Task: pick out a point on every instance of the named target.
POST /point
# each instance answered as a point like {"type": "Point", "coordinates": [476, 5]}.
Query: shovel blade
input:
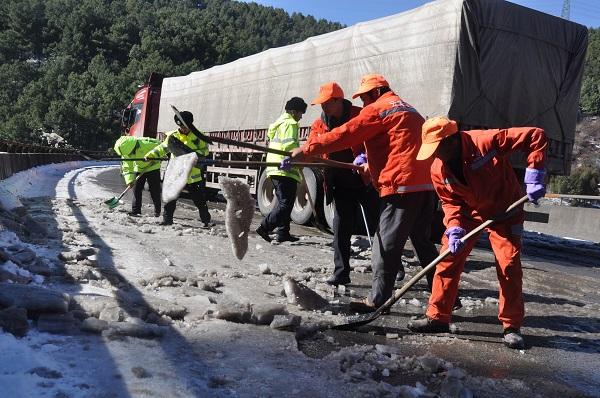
{"type": "Point", "coordinates": [112, 202]}
{"type": "Point", "coordinates": [354, 321]}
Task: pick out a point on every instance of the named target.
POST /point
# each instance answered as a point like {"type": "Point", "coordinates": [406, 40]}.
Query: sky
{"type": "Point", "coordinates": [349, 12]}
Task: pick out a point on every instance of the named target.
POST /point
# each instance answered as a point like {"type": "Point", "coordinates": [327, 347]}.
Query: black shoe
{"type": "Point", "coordinates": [513, 339]}
{"type": "Point", "coordinates": [263, 233]}
{"type": "Point", "coordinates": [134, 214]}
{"type": "Point", "coordinates": [334, 281]}
{"type": "Point", "coordinates": [166, 221]}
{"type": "Point", "coordinates": [157, 213]}
{"type": "Point", "coordinates": [400, 275]}
{"type": "Point", "coordinates": [457, 304]}
{"type": "Point", "coordinates": [428, 325]}
{"type": "Point", "coordinates": [207, 225]}
{"type": "Point", "coordinates": [286, 238]}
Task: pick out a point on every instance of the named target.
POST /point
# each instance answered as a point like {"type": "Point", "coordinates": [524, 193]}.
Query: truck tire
{"type": "Point", "coordinates": [302, 212]}
{"type": "Point", "coordinates": [328, 213]}
{"type": "Point", "coordinates": [265, 194]}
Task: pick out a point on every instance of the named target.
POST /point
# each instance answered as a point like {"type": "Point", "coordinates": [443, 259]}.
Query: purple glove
{"type": "Point", "coordinates": [360, 159]}
{"type": "Point", "coordinates": [286, 163]}
{"type": "Point", "coordinates": [454, 243]}
{"type": "Point", "coordinates": [535, 187]}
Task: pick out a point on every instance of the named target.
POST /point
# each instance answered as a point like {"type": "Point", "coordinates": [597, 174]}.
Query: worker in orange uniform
{"type": "Point", "coordinates": [391, 131]}
{"type": "Point", "coordinates": [473, 177]}
{"type": "Point", "coordinates": [345, 188]}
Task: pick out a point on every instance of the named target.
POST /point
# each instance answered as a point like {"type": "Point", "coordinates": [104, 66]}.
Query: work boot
{"type": "Point", "coordinates": [286, 238]}
{"type": "Point", "coordinates": [335, 281]}
{"type": "Point", "coordinates": [428, 325]}
{"type": "Point", "coordinates": [134, 214]}
{"type": "Point", "coordinates": [263, 233]}
{"type": "Point", "coordinates": [156, 213]}
{"type": "Point", "coordinates": [513, 339]}
{"type": "Point", "coordinates": [208, 224]}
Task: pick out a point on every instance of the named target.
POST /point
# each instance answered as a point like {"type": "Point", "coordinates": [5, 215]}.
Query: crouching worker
{"type": "Point", "coordinates": [187, 142]}
{"type": "Point", "coordinates": [137, 172]}
{"type": "Point", "coordinates": [472, 176]}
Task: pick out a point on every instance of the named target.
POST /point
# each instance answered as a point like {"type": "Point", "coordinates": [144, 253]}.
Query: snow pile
{"type": "Point", "coordinates": [238, 214]}
{"type": "Point", "coordinates": [176, 175]}
{"type": "Point", "coordinates": [385, 364]}
{"type": "Point", "coordinates": [62, 180]}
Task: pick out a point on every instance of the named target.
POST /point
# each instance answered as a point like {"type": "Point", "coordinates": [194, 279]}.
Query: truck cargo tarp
{"type": "Point", "coordinates": [485, 63]}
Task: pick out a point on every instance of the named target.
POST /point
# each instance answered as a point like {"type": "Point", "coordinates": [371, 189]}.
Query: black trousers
{"type": "Point", "coordinates": [198, 196]}
{"type": "Point", "coordinates": [346, 208]}
{"type": "Point", "coordinates": [153, 179]}
{"type": "Point", "coordinates": [402, 216]}
{"type": "Point", "coordinates": [279, 217]}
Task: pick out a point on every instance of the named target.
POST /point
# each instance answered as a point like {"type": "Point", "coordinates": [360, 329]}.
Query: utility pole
{"type": "Point", "coordinates": [566, 11]}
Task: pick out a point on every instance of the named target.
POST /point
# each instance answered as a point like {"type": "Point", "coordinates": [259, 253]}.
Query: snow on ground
{"type": "Point", "coordinates": [61, 180]}
{"type": "Point", "coordinates": [155, 295]}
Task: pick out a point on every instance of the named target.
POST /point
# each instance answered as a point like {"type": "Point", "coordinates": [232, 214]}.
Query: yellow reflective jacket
{"type": "Point", "coordinates": [191, 141]}
{"type": "Point", "coordinates": [283, 135]}
{"type": "Point", "coordinates": [129, 147]}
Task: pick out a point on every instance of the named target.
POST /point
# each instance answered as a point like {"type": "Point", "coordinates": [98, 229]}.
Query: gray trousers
{"type": "Point", "coordinates": [402, 216]}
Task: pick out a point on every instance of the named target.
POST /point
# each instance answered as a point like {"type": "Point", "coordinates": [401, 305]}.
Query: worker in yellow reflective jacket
{"type": "Point", "coordinates": [283, 135]}
{"type": "Point", "coordinates": [137, 172]}
{"type": "Point", "coordinates": [195, 184]}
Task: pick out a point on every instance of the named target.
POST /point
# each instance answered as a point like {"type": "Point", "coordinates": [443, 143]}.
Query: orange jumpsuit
{"type": "Point", "coordinates": [491, 187]}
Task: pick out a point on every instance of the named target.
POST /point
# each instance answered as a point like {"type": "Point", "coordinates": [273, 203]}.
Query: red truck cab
{"type": "Point", "coordinates": [140, 117]}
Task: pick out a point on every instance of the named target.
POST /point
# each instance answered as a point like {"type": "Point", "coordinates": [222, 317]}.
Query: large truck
{"type": "Point", "coordinates": [484, 63]}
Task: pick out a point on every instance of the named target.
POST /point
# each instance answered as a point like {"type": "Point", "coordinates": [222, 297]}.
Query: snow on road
{"type": "Point", "coordinates": [150, 312]}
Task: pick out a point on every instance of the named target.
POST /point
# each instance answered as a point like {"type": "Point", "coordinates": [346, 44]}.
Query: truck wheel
{"type": "Point", "coordinates": [265, 194]}
{"type": "Point", "coordinates": [302, 212]}
{"type": "Point", "coordinates": [328, 213]}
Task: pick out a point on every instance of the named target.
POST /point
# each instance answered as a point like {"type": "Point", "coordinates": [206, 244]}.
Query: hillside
{"type": "Point", "coordinates": [69, 66]}
{"type": "Point", "coordinates": [586, 151]}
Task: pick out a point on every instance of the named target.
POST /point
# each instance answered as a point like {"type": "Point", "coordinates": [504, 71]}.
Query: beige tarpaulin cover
{"type": "Point", "coordinates": [486, 63]}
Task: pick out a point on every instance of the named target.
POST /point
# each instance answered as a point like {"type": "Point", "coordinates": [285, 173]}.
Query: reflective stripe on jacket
{"type": "Point", "coordinates": [492, 185]}
{"type": "Point", "coordinates": [191, 141]}
{"type": "Point", "coordinates": [283, 135]}
{"type": "Point", "coordinates": [391, 131]}
{"type": "Point", "coordinates": [136, 147]}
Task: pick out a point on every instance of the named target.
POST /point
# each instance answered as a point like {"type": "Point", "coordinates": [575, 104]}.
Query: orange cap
{"type": "Point", "coordinates": [328, 91]}
{"type": "Point", "coordinates": [433, 131]}
{"type": "Point", "coordinates": [369, 82]}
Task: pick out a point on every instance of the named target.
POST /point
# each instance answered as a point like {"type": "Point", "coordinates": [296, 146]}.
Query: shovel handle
{"type": "Point", "coordinates": [400, 292]}
{"type": "Point", "coordinates": [129, 187]}
{"type": "Point", "coordinates": [261, 148]}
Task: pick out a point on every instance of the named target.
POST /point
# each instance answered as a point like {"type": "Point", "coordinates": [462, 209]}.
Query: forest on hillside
{"type": "Point", "coordinates": [70, 66]}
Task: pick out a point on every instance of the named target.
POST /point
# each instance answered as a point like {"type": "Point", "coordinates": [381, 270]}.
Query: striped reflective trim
{"type": "Point", "coordinates": [196, 176]}
{"type": "Point", "coordinates": [415, 188]}
{"type": "Point", "coordinates": [480, 161]}
{"type": "Point", "coordinates": [283, 141]}
{"type": "Point", "coordinates": [516, 229]}
{"type": "Point", "coordinates": [450, 181]}
{"type": "Point", "coordinates": [396, 109]}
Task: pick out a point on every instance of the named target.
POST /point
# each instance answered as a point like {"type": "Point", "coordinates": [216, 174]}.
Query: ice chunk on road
{"type": "Point", "coordinates": [176, 175]}
{"type": "Point", "coordinates": [238, 213]}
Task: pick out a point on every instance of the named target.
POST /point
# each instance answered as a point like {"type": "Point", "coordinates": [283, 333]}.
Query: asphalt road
{"type": "Point", "coordinates": [562, 327]}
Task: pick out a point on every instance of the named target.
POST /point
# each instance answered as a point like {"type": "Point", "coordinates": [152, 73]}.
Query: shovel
{"type": "Point", "coordinates": [114, 201]}
{"type": "Point", "coordinates": [362, 319]}
{"type": "Point", "coordinates": [227, 141]}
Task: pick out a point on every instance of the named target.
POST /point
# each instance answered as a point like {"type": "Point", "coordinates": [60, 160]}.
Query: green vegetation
{"type": "Point", "coordinates": [590, 89]}
{"type": "Point", "coordinates": [582, 181]}
{"type": "Point", "coordinates": [69, 66]}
